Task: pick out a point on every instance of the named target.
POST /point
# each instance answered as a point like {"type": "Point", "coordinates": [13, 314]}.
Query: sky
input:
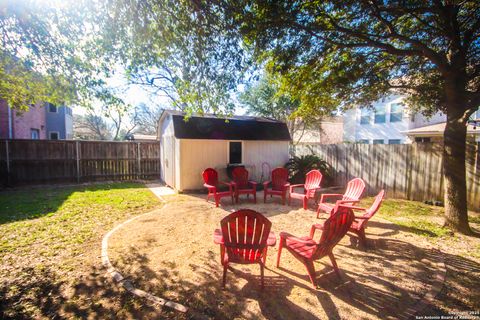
{"type": "Point", "coordinates": [134, 94]}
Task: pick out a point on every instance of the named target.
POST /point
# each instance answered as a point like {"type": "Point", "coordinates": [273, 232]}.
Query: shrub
{"type": "Point", "coordinates": [299, 166]}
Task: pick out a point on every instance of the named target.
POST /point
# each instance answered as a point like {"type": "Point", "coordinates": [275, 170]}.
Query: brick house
{"type": "Point", "coordinates": [27, 125]}
{"type": "Point", "coordinates": [39, 122]}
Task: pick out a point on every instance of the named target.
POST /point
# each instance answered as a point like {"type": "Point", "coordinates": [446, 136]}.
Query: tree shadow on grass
{"type": "Point", "coordinates": [35, 202]}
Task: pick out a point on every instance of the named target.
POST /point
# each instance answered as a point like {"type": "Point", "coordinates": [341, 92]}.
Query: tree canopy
{"type": "Point", "coordinates": [50, 53]}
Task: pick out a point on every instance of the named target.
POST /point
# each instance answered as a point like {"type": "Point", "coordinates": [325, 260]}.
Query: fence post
{"type": "Point", "coordinates": [138, 161]}
{"type": "Point", "coordinates": [7, 158]}
{"type": "Point", "coordinates": [77, 156]}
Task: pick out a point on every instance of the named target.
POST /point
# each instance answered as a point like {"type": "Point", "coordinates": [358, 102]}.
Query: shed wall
{"type": "Point", "coordinates": [275, 153]}
{"type": "Point", "coordinates": [169, 154]}
{"type": "Point", "coordinates": [197, 154]}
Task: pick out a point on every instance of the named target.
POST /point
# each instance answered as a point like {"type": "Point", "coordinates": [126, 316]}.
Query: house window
{"type": "Point", "coordinates": [423, 139]}
{"type": "Point", "coordinates": [380, 114]}
{"type": "Point", "coordinates": [235, 152]}
{"type": "Point", "coordinates": [365, 116]}
{"type": "Point", "coordinates": [396, 112]}
{"type": "Point", "coordinates": [53, 135]}
{"type": "Point", "coordinates": [52, 108]}
{"type": "Point", "coordinates": [363, 141]}
{"type": "Point", "coordinates": [394, 141]}
{"type": "Point", "coordinates": [34, 134]}
{"type": "Point", "coordinates": [377, 141]}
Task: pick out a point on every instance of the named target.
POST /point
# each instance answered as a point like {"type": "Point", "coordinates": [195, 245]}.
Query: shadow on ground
{"type": "Point", "coordinates": [94, 296]}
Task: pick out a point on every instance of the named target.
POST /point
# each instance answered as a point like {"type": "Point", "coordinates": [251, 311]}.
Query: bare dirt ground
{"type": "Point", "coordinates": [170, 253]}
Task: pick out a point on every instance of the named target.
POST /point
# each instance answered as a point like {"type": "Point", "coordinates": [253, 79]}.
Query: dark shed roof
{"type": "Point", "coordinates": [237, 128]}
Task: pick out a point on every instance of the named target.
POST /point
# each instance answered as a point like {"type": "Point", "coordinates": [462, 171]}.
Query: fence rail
{"type": "Point", "coordinates": [408, 171]}
{"type": "Point", "coordinates": [47, 161]}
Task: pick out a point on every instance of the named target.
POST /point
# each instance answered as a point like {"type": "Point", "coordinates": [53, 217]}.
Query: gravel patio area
{"type": "Point", "coordinates": [170, 253]}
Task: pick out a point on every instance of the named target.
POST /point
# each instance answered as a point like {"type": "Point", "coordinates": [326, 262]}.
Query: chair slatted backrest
{"type": "Point", "coordinates": [372, 210]}
{"type": "Point", "coordinates": [279, 178]}
{"type": "Point", "coordinates": [245, 234]}
{"type": "Point", "coordinates": [355, 188]}
{"type": "Point", "coordinates": [240, 177]}
{"type": "Point", "coordinates": [334, 229]}
{"type": "Point", "coordinates": [210, 176]}
{"type": "Point", "coordinates": [313, 179]}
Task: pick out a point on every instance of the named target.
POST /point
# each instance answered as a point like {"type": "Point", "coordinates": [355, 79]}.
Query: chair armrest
{"type": "Point", "coordinates": [293, 186]}
{"type": "Point", "coordinates": [208, 186]}
{"type": "Point", "coordinates": [351, 207]}
{"type": "Point", "coordinates": [324, 196]}
{"type": "Point", "coordinates": [229, 184]}
{"type": "Point", "coordinates": [314, 228]}
{"type": "Point", "coordinates": [254, 183]}
{"type": "Point", "coordinates": [362, 218]}
{"type": "Point", "coordinates": [284, 235]}
{"type": "Point", "coordinates": [316, 188]}
{"type": "Point", "coordinates": [286, 186]}
{"type": "Point", "coordinates": [296, 185]}
{"type": "Point", "coordinates": [340, 202]}
{"type": "Point", "coordinates": [266, 183]}
{"type": "Point", "coordinates": [218, 237]}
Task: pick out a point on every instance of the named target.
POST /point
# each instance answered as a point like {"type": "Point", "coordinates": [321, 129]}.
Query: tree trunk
{"type": "Point", "coordinates": [456, 214]}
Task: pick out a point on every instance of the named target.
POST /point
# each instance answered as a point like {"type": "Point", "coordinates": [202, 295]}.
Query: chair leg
{"type": "Point", "coordinates": [222, 254]}
{"type": "Point", "coordinates": [264, 196]}
{"type": "Point", "coordinates": [318, 212]}
{"type": "Point", "coordinates": [280, 247]}
{"type": "Point", "coordinates": [262, 273]}
{"type": "Point", "coordinates": [362, 238]}
{"type": "Point", "coordinates": [289, 199]}
{"type": "Point", "coordinates": [334, 264]}
{"type": "Point", "coordinates": [311, 272]}
{"type": "Point", "coordinates": [305, 203]}
{"type": "Point", "coordinates": [264, 256]}
{"type": "Point", "coordinates": [225, 267]}
{"type": "Point", "coordinates": [217, 201]}
{"type": "Point", "coordinates": [255, 197]}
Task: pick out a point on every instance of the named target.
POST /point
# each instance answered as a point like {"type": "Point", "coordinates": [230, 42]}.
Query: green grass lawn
{"type": "Point", "coordinates": [55, 232]}
{"type": "Point", "coordinates": [51, 240]}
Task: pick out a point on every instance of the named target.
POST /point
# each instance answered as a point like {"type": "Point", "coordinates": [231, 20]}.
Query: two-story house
{"type": "Point", "coordinates": [387, 122]}
{"type": "Point", "coordinates": [40, 122]}
{"type": "Point", "coordinates": [59, 122]}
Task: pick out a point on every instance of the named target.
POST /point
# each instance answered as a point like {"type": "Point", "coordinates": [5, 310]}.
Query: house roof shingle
{"type": "Point", "coordinates": [232, 128]}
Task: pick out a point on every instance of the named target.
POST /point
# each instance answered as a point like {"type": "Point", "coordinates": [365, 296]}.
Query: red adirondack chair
{"type": "Point", "coordinates": [360, 223]}
{"type": "Point", "coordinates": [279, 184]}
{"type": "Point", "coordinates": [308, 250]}
{"type": "Point", "coordinates": [210, 179]}
{"type": "Point", "coordinates": [313, 179]}
{"type": "Point", "coordinates": [244, 238]}
{"type": "Point", "coordinates": [242, 185]}
{"type": "Point", "coordinates": [355, 188]}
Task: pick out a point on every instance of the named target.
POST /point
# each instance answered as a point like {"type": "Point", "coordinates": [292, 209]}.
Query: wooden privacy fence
{"type": "Point", "coordinates": [47, 161]}
{"type": "Point", "coordinates": [408, 171]}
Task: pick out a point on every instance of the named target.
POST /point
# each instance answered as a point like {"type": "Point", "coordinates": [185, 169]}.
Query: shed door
{"type": "Point", "coordinates": [168, 160]}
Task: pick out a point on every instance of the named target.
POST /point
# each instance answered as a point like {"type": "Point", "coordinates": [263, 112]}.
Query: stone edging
{"type": "Point", "coordinates": [118, 277]}
{"type": "Point", "coordinates": [428, 298]}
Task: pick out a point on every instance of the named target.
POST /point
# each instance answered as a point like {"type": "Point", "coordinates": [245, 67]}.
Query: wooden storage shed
{"type": "Point", "coordinates": [187, 147]}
